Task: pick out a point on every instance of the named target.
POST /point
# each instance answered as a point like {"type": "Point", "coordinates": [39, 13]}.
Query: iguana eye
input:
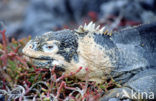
{"type": "Point", "coordinates": [49, 48]}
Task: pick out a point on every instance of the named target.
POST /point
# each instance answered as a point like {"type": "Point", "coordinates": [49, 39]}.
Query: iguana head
{"type": "Point", "coordinates": [52, 49]}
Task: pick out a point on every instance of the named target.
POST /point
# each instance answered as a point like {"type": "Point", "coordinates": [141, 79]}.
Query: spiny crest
{"type": "Point", "coordinates": [92, 28]}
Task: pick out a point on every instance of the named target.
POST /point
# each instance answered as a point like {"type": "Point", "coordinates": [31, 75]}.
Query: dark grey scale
{"type": "Point", "coordinates": [39, 43]}
{"type": "Point", "coordinates": [104, 40]}
{"type": "Point", "coordinates": [82, 34]}
{"type": "Point", "coordinates": [45, 58]}
{"type": "Point", "coordinates": [126, 69]}
{"type": "Point", "coordinates": [144, 40]}
{"type": "Point", "coordinates": [148, 42]}
{"type": "Point", "coordinates": [68, 40]}
{"type": "Point", "coordinates": [76, 58]}
{"type": "Point", "coordinates": [58, 68]}
{"type": "Point", "coordinates": [124, 76]}
{"type": "Point", "coordinates": [107, 44]}
{"type": "Point", "coordinates": [40, 47]}
{"type": "Point", "coordinates": [136, 72]}
{"type": "Point", "coordinates": [40, 64]}
{"type": "Point", "coordinates": [33, 47]}
{"type": "Point", "coordinates": [49, 64]}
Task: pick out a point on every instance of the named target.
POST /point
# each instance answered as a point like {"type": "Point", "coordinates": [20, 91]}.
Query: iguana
{"type": "Point", "coordinates": [129, 56]}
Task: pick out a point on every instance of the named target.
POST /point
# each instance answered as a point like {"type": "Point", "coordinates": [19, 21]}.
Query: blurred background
{"type": "Point", "coordinates": [34, 17]}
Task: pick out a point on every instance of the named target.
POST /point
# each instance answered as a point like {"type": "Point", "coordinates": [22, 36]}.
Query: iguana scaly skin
{"type": "Point", "coordinates": [129, 56]}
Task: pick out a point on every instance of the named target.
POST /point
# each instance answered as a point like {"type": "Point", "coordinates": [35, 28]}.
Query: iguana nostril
{"type": "Point", "coordinates": [30, 46]}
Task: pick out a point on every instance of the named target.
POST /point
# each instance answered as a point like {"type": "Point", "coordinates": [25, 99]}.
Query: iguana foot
{"type": "Point", "coordinates": [118, 94]}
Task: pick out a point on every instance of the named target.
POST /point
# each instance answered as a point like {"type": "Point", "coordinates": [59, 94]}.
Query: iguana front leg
{"type": "Point", "coordinates": [117, 94]}
{"type": "Point", "coordinates": [141, 86]}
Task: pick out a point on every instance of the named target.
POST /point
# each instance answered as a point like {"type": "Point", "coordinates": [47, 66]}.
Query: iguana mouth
{"type": "Point", "coordinates": [46, 63]}
{"type": "Point", "coordinates": [39, 58]}
{"type": "Point", "coordinates": [32, 59]}
{"type": "Point", "coordinates": [41, 61]}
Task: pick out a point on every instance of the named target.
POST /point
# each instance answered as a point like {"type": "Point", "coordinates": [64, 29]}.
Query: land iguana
{"type": "Point", "coordinates": [129, 56]}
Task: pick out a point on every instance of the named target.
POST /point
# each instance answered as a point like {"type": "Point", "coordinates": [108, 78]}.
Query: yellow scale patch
{"type": "Point", "coordinates": [93, 56]}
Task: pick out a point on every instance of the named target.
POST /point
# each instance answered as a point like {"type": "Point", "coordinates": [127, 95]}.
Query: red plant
{"type": "Point", "coordinates": [40, 83]}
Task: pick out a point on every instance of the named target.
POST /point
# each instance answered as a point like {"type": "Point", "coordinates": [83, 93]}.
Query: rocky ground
{"type": "Point", "coordinates": [34, 17]}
